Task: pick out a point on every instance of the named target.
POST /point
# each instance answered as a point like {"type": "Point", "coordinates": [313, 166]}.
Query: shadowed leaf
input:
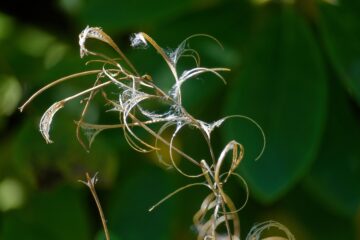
{"type": "Point", "coordinates": [282, 87]}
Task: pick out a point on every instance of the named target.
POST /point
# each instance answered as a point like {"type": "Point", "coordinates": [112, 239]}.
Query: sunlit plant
{"type": "Point", "coordinates": [217, 211]}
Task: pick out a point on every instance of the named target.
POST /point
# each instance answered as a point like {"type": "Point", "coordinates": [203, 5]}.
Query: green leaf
{"type": "Point", "coordinates": [58, 215]}
{"type": "Point", "coordinates": [281, 86]}
{"type": "Point", "coordinates": [10, 93]}
{"type": "Point", "coordinates": [65, 156]}
{"type": "Point", "coordinates": [129, 217]}
{"type": "Point", "coordinates": [340, 31]}
{"type": "Point", "coordinates": [228, 21]}
{"type": "Point", "coordinates": [101, 236]}
{"type": "Point", "coordinates": [335, 176]}
{"type": "Point", "coordinates": [119, 15]}
{"type": "Point", "coordinates": [6, 26]}
{"type": "Point", "coordinates": [307, 218]}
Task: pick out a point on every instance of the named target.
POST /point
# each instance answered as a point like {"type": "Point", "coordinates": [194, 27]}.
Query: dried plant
{"type": "Point", "coordinates": [90, 183]}
{"type": "Point", "coordinates": [133, 89]}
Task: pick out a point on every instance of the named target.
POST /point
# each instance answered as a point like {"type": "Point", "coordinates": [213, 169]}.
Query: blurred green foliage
{"type": "Point", "coordinates": [295, 70]}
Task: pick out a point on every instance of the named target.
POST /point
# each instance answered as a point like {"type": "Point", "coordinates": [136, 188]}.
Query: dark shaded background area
{"type": "Point", "coordinates": [295, 70]}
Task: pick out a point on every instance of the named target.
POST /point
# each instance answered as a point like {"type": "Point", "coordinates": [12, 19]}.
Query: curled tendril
{"type": "Point", "coordinates": [257, 230]}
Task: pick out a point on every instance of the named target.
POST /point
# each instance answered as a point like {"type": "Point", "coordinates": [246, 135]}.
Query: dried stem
{"type": "Point", "coordinates": [76, 75]}
{"type": "Point", "coordinates": [90, 183]}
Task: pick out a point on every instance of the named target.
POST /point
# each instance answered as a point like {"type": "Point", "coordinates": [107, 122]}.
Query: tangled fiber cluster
{"type": "Point", "coordinates": [133, 90]}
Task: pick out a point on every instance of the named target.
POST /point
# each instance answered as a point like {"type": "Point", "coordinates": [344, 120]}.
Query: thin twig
{"type": "Point", "coordinates": [90, 183]}
{"type": "Point", "coordinates": [55, 83]}
{"type": "Point", "coordinates": [87, 104]}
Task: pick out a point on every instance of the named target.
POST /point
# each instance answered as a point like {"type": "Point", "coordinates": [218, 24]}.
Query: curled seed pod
{"type": "Point", "coordinates": [46, 120]}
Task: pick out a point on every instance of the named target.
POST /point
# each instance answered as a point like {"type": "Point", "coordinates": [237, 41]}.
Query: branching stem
{"type": "Point", "coordinates": [90, 183]}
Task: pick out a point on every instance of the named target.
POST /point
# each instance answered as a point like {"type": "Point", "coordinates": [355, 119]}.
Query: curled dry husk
{"type": "Point", "coordinates": [46, 120]}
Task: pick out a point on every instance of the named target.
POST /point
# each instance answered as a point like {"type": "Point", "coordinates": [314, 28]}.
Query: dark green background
{"type": "Point", "coordinates": [295, 70]}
